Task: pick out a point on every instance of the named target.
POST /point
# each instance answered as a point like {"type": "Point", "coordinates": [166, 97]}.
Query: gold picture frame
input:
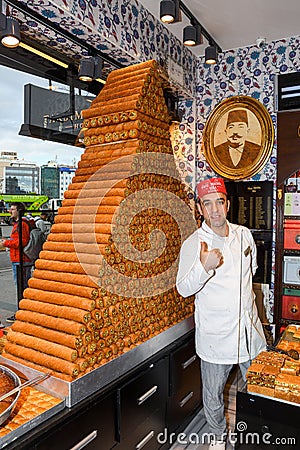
{"type": "Point", "coordinates": [238, 137]}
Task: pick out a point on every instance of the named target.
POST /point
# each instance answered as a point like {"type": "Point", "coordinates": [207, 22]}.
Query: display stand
{"type": "Point", "coordinates": [265, 422]}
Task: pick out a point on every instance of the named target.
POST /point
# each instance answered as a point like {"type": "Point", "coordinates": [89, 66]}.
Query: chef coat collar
{"type": "Point", "coordinates": [231, 231]}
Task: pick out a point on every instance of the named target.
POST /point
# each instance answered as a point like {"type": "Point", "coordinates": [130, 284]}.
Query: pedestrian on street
{"type": "Point", "coordinates": [14, 246]}
{"type": "Point", "coordinates": [43, 223]}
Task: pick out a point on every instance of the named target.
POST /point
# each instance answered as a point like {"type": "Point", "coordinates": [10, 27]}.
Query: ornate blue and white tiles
{"type": "Point", "coordinates": [123, 29]}
{"type": "Point", "coordinates": [246, 71]}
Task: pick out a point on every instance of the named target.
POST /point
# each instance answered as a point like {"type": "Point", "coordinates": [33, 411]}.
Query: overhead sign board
{"type": "Point", "coordinates": [52, 115]}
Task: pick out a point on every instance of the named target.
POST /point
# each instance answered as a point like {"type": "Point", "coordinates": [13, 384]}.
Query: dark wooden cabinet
{"type": "Point", "coordinates": [92, 427]}
{"type": "Point", "coordinates": [185, 384]}
{"type": "Point", "coordinates": [142, 407]}
{"type": "Point", "coordinates": [263, 422]}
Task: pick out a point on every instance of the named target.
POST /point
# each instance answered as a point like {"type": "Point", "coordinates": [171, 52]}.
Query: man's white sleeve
{"type": "Point", "coordinates": [191, 276]}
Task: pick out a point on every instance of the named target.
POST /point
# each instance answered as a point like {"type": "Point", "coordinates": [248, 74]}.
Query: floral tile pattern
{"type": "Point", "coordinates": [123, 29]}
{"type": "Point", "coordinates": [245, 71]}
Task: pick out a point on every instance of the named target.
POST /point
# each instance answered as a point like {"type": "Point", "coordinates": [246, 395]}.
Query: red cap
{"type": "Point", "coordinates": [210, 186]}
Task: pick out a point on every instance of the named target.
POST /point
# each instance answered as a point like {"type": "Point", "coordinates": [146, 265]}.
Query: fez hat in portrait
{"type": "Point", "coordinates": [210, 186]}
{"type": "Point", "coordinates": [237, 115]}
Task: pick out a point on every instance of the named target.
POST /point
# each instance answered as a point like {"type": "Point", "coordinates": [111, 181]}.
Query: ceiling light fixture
{"type": "Point", "coordinates": [192, 35]}
{"type": "Point", "coordinates": [211, 55]}
{"type": "Point", "coordinates": [9, 30]}
{"type": "Point", "coordinates": [43, 55]}
{"type": "Point", "coordinates": [90, 69]}
{"type": "Point", "coordinates": [172, 101]}
{"type": "Point", "coordinates": [31, 14]}
{"type": "Point", "coordinates": [11, 37]}
{"type": "Point", "coordinates": [169, 11]}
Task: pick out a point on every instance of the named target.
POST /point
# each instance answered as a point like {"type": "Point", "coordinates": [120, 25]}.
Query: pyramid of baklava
{"type": "Point", "coordinates": [105, 279]}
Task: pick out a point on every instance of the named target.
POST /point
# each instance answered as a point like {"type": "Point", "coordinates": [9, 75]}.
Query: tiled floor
{"type": "Point", "coordinates": [193, 435]}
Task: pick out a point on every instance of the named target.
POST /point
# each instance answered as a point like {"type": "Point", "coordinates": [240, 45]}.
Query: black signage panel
{"type": "Point", "coordinates": [52, 115]}
{"type": "Point", "coordinates": [251, 204]}
{"type": "Point", "coordinates": [263, 241]}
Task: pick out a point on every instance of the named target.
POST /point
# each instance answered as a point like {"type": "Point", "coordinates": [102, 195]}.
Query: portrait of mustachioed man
{"type": "Point", "coordinates": [238, 149]}
{"type": "Point", "coordinates": [238, 137]}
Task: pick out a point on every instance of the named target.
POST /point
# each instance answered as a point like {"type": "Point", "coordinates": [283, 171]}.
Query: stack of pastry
{"type": "Point", "coordinates": [31, 404]}
{"type": "Point", "coordinates": [275, 375]}
{"type": "Point", "coordinates": [105, 279]}
{"type": "Point", "coordinates": [290, 339]}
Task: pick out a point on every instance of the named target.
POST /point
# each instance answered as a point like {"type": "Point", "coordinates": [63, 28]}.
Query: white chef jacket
{"type": "Point", "coordinates": [228, 329]}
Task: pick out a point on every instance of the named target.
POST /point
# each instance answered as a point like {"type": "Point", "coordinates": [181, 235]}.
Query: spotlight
{"type": "Point", "coordinates": [10, 35]}
{"type": "Point", "coordinates": [90, 68]}
{"type": "Point", "coordinates": [192, 35]}
{"type": "Point", "coordinates": [211, 55]}
{"type": "Point", "coordinates": [176, 116]}
{"type": "Point", "coordinates": [175, 112]}
{"type": "Point", "coordinates": [86, 69]}
{"type": "Point", "coordinates": [169, 11]}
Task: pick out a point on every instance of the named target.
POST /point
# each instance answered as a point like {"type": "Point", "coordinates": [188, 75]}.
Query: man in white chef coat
{"type": "Point", "coordinates": [217, 263]}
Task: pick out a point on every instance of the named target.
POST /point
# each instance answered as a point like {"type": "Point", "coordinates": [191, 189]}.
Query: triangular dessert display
{"type": "Point", "coordinates": [105, 279]}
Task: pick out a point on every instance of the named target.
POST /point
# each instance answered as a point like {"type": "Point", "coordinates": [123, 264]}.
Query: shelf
{"type": "Point", "coordinates": [290, 286]}
{"type": "Point", "coordinates": [288, 251]}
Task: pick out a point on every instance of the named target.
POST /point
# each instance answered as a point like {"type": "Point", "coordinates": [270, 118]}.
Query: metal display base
{"type": "Point", "coordinates": [33, 423]}
{"type": "Point", "coordinates": [82, 387]}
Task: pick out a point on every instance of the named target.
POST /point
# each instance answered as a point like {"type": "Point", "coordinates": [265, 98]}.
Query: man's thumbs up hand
{"type": "Point", "coordinates": [210, 259]}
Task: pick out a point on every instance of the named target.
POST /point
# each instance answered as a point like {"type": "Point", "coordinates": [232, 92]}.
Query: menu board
{"type": "Point", "coordinates": [263, 241]}
{"type": "Point", "coordinates": [251, 204]}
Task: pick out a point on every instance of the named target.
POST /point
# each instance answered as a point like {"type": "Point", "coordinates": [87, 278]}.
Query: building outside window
{"type": "Point", "coordinates": [65, 178]}
{"type": "Point", "coordinates": [50, 181]}
{"type": "Point", "coordinates": [21, 178]}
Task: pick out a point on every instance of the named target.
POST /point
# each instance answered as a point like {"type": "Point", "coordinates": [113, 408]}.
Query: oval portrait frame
{"type": "Point", "coordinates": [259, 141]}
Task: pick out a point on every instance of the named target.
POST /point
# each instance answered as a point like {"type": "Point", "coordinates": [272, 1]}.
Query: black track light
{"type": "Point", "coordinates": [211, 55]}
{"type": "Point", "coordinates": [86, 69]}
{"type": "Point", "coordinates": [90, 68]}
{"type": "Point", "coordinates": [169, 11]}
{"type": "Point", "coordinates": [10, 31]}
{"type": "Point", "coordinates": [192, 35]}
{"type": "Point", "coordinates": [172, 101]}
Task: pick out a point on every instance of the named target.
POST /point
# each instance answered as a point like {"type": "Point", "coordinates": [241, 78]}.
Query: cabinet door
{"type": "Point", "coordinates": [146, 436]}
{"type": "Point", "coordinates": [92, 428]}
{"type": "Point", "coordinates": [142, 405]}
{"type": "Point", "coordinates": [185, 384]}
{"type": "Point", "coordinates": [264, 421]}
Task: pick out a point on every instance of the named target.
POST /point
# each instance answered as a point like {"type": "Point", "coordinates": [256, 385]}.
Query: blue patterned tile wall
{"type": "Point", "coordinates": [244, 71]}
{"type": "Point", "coordinates": [123, 29]}
{"type": "Point", "coordinates": [128, 32]}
